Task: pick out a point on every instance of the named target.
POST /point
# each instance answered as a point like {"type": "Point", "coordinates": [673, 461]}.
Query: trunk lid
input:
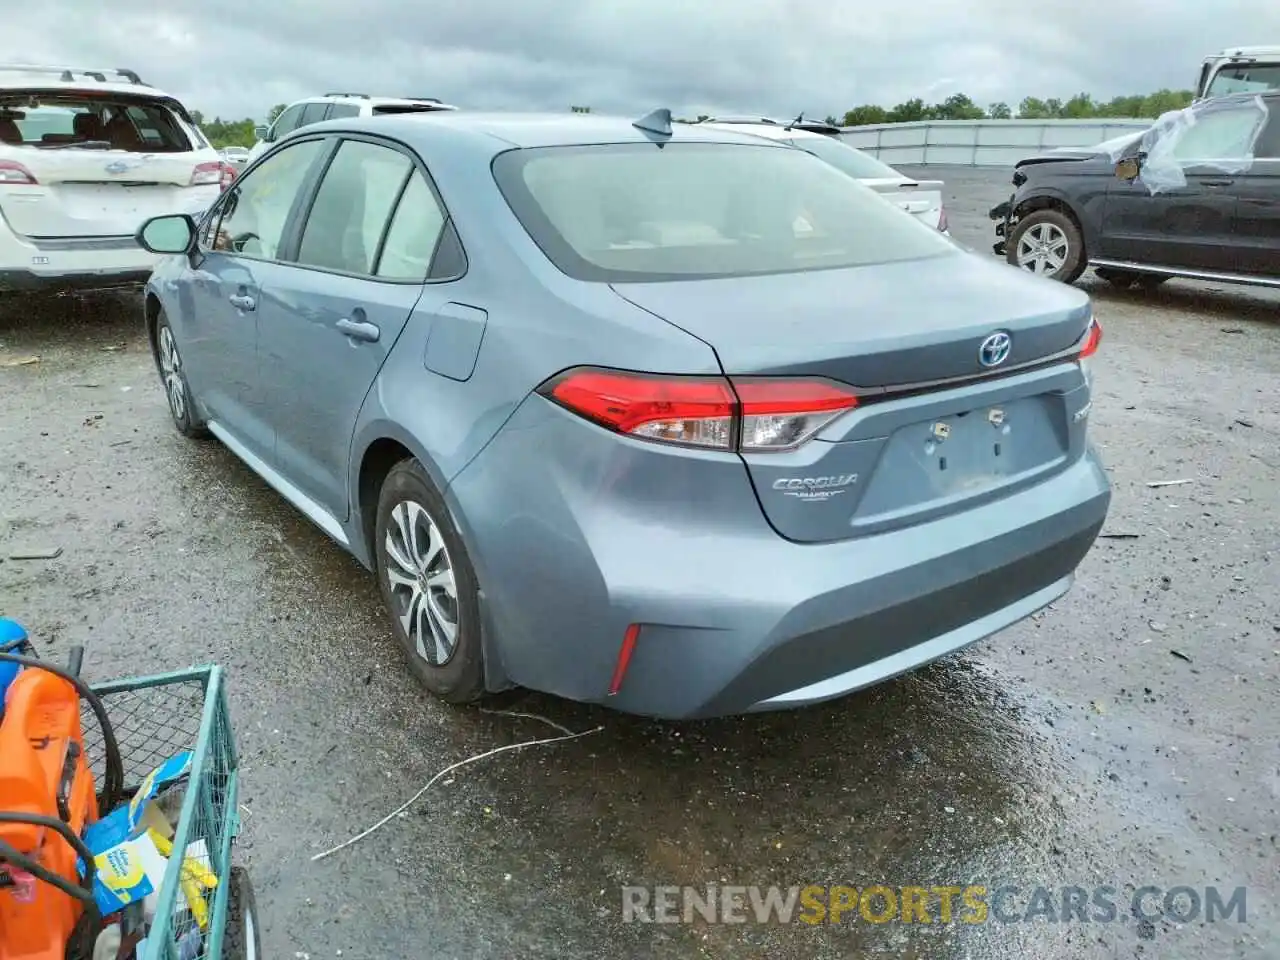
{"type": "Point", "coordinates": [920, 198]}
{"type": "Point", "coordinates": [906, 457]}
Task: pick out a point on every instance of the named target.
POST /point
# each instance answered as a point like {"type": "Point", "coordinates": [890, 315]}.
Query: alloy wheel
{"type": "Point", "coordinates": [420, 573]}
{"type": "Point", "coordinates": [1043, 249]}
{"type": "Point", "coordinates": [171, 371]}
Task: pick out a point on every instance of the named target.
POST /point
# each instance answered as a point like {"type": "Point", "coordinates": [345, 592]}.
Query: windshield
{"type": "Point", "coordinates": [1245, 78]}
{"type": "Point", "coordinates": [846, 159]}
{"type": "Point", "coordinates": [637, 212]}
{"type": "Point", "coordinates": [54, 120]}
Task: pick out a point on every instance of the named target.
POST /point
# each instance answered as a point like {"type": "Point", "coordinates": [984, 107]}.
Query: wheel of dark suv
{"type": "Point", "coordinates": [428, 585]}
{"type": "Point", "coordinates": [1048, 243]}
{"type": "Point", "coordinates": [178, 392]}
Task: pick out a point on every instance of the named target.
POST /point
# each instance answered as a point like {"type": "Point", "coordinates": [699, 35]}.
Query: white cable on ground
{"type": "Point", "coordinates": [449, 769]}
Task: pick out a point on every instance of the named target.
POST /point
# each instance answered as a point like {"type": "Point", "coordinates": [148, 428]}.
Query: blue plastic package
{"type": "Point", "coordinates": [13, 639]}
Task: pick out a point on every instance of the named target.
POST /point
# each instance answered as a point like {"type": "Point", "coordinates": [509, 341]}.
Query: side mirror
{"type": "Point", "coordinates": [172, 233]}
{"type": "Point", "coordinates": [1129, 168]}
{"type": "Point", "coordinates": [261, 131]}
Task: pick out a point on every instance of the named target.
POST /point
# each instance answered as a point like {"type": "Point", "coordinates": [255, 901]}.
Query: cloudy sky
{"type": "Point", "coordinates": [236, 58]}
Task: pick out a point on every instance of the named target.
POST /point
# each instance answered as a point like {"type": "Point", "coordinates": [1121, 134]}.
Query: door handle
{"type": "Point", "coordinates": [1216, 183]}
{"type": "Point", "coordinates": [242, 301]}
{"type": "Point", "coordinates": [359, 330]}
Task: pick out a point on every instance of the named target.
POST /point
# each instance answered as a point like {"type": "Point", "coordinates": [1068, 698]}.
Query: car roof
{"type": "Point", "coordinates": [72, 80]}
{"type": "Point", "coordinates": [360, 98]}
{"type": "Point", "coordinates": [529, 129]}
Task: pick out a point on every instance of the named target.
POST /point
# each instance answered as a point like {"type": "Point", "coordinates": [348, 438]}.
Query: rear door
{"type": "Point", "coordinates": [95, 165]}
{"type": "Point", "coordinates": [332, 316]}
{"type": "Point", "coordinates": [224, 290]}
{"type": "Point", "coordinates": [1257, 227]}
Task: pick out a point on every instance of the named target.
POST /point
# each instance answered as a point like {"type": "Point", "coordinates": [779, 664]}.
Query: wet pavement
{"type": "Point", "coordinates": [1128, 736]}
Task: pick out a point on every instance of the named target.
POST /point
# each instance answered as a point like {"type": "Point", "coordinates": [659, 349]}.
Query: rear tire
{"type": "Point", "coordinates": [1048, 243]}
{"type": "Point", "coordinates": [428, 585]}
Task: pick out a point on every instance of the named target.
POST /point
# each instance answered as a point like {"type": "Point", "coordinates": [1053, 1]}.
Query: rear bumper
{"type": "Point", "coordinates": [733, 618]}
{"type": "Point", "coordinates": [70, 264]}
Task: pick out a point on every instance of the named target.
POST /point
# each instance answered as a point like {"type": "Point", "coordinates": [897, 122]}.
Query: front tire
{"type": "Point", "coordinates": [182, 405]}
{"type": "Point", "coordinates": [1048, 243]}
{"type": "Point", "coordinates": [428, 585]}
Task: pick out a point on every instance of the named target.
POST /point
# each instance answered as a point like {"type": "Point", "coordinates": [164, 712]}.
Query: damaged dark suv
{"type": "Point", "coordinates": [1197, 195]}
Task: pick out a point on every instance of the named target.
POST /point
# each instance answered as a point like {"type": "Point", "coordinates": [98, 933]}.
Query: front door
{"type": "Point", "coordinates": [334, 314]}
{"type": "Point", "coordinates": [238, 245]}
{"type": "Point", "coordinates": [1181, 212]}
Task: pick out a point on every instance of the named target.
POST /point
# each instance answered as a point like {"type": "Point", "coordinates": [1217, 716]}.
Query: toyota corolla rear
{"type": "Point", "coordinates": [873, 454]}
{"type": "Point", "coordinates": [82, 168]}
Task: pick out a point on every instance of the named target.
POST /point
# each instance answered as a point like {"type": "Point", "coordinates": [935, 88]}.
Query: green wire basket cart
{"type": "Point", "coordinates": [152, 720]}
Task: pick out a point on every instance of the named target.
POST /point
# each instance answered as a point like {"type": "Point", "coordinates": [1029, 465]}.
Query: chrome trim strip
{"type": "Point", "coordinates": [1187, 274]}
{"type": "Point", "coordinates": [312, 510]}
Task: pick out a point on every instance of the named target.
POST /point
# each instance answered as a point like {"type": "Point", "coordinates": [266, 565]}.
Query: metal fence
{"type": "Point", "coordinates": [979, 143]}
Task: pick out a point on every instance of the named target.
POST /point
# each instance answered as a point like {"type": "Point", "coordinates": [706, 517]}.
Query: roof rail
{"type": "Point", "coordinates": [69, 74]}
{"type": "Point", "coordinates": [362, 96]}
{"type": "Point", "coordinates": [425, 99]}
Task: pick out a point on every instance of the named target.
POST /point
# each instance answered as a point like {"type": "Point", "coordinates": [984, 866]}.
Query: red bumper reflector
{"type": "Point", "coordinates": [624, 657]}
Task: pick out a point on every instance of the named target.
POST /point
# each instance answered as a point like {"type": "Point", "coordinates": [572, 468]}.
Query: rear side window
{"type": "Point", "coordinates": [637, 212]}
{"type": "Point", "coordinates": [413, 235]}
{"type": "Point", "coordinates": [352, 207]}
{"type": "Point", "coordinates": [339, 110]}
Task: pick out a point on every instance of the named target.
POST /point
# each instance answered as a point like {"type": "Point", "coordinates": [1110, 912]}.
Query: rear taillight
{"type": "Point", "coordinates": [942, 219]}
{"type": "Point", "coordinates": [1092, 338]}
{"type": "Point", "coordinates": [215, 171]}
{"type": "Point", "coordinates": [750, 414]}
{"type": "Point", "coordinates": [12, 172]}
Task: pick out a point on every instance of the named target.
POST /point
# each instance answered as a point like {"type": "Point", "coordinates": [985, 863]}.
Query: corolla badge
{"type": "Point", "coordinates": [815, 488]}
{"type": "Point", "coordinates": [995, 349]}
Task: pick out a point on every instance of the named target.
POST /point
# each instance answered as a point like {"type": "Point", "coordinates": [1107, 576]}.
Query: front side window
{"type": "Point", "coordinates": [313, 113]}
{"type": "Point", "coordinates": [349, 216]}
{"type": "Point", "coordinates": [252, 217]}
{"type": "Point", "coordinates": [1218, 135]}
{"type": "Point", "coordinates": [637, 212]}
{"type": "Point", "coordinates": [287, 122]}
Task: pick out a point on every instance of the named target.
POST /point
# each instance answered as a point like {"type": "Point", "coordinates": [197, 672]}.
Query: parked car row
{"type": "Point", "coordinates": [1197, 195]}
{"type": "Point", "coordinates": [86, 156]}
{"type": "Point", "coordinates": [635, 412]}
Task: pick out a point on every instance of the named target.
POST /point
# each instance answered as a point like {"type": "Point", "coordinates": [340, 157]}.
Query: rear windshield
{"type": "Point", "coordinates": [54, 120]}
{"type": "Point", "coordinates": [1245, 78]}
{"type": "Point", "coordinates": [846, 159]}
{"type": "Point", "coordinates": [639, 212]}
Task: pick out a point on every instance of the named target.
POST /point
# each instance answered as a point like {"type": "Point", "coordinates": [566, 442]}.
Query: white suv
{"type": "Point", "coordinates": [920, 198]}
{"type": "Point", "coordinates": [334, 106]}
{"type": "Point", "coordinates": [85, 157]}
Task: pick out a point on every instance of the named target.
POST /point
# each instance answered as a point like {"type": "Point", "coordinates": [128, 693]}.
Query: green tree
{"type": "Point", "coordinates": [867, 113]}
{"type": "Point", "coordinates": [1162, 101]}
{"type": "Point", "coordinates": [275, 111]}
{"type": "Point", "coordinates": [1033, 108]}
{"type": "Point", "coordinates": [911, 111]}
{"type": "Point", "coordinates": [1080, 107]}
{"type": "Point", "coordinates": [999, 111]}
{"type": "Point", "coordinates": [958, 106]}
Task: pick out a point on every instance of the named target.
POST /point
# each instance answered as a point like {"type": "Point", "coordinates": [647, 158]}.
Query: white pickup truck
{"type": "Point", "coordinates": [1239, 70]}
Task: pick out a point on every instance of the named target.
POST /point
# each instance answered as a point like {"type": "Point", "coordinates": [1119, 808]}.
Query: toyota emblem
{"type": "Point", "coordinates": [995, 349]}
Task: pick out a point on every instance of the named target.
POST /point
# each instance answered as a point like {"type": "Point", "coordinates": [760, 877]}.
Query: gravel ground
{"type": "Point", "coordinates": [1127, 736]}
